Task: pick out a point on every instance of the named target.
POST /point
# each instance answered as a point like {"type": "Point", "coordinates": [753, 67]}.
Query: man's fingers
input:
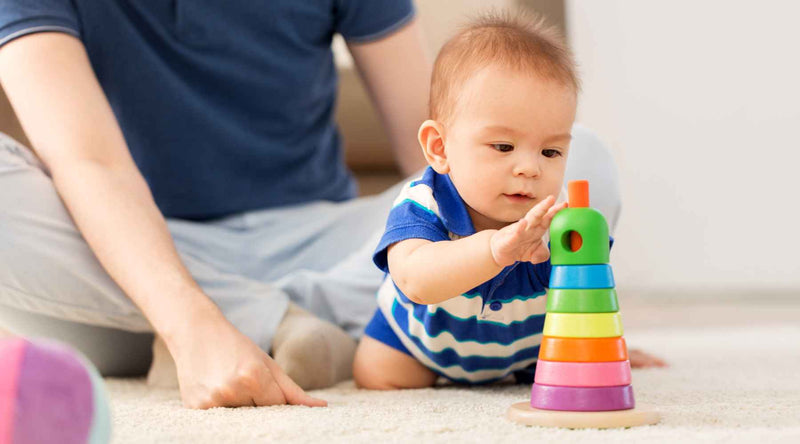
{"type": "Point", "coordinates": [297, 396]}
{"type": "Point", "coordinates": [294, 394]}
{"type": "Point", "coordinates": [268, 391]}
{"type": "Point", "coordinates": [273, 394]}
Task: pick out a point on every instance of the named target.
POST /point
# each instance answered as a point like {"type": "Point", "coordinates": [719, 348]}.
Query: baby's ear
{"type": "Point", "coordinates": [431, 139]}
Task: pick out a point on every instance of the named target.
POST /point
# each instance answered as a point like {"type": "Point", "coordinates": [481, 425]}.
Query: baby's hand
{"type": "Point", "coordinates": [522, 240]}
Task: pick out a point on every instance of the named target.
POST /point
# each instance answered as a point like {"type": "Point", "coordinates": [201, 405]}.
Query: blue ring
{"type": "Point", "coordinates": [582, 276]}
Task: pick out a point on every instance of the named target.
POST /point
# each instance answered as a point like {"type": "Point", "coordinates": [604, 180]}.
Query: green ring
{"type": "Point", "coordinates": [590, 300]}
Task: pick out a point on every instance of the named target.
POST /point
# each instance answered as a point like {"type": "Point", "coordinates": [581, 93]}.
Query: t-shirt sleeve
{"type": "Point", "coordinates": [23, 17]}
{"type": "Point", "coordinates": [409, 219]}
{"type": "Point", "coordinates": [368, 20]}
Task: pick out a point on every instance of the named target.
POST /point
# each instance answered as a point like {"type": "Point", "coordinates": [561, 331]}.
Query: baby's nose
{"type": "Point", "coordinates": [527, 167]}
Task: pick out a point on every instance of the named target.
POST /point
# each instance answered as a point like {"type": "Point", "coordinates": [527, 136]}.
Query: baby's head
{"type": "Point", "coordinates": [502, 104]}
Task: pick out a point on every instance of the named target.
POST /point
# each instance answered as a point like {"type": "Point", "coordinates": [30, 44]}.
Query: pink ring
{"type": "Point", "coordinates": [583, 374]}
{"type": "Point", "coordinates": [13, 353]}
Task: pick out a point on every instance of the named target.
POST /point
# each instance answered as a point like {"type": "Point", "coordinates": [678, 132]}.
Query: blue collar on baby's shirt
{"type": "Point", "coordinates": [452, 208]}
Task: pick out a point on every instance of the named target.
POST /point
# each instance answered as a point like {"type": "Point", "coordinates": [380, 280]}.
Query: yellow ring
{"type": "Point", "coordinates": [583, 325]}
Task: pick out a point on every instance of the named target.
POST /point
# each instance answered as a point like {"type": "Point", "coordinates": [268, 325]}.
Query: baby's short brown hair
{"type": "Point", "coordinates": [523, 42]}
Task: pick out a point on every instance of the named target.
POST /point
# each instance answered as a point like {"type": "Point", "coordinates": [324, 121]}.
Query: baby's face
{"type": "Point", "coordinates": [507, 143]}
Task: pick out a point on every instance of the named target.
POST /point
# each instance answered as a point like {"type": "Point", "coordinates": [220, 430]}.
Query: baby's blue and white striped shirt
{"type": "Point", "coordinates": [482, 335]}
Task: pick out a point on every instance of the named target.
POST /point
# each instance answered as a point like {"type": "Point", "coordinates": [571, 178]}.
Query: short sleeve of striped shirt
{"type": "Point", "coordinates": [414, 215]}
{"type": "Point", "coordinates": [19, 18]}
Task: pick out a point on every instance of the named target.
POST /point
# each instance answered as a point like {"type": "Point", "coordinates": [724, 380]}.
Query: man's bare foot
{"type": "Point", "coordinates": [641, 359]}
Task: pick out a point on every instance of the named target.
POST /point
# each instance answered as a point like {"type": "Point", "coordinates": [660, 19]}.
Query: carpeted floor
{"type": "Point", "coordinates": [734, 377]}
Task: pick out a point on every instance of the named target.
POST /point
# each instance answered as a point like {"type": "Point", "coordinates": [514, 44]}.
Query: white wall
{"type": "Point", "coordinates": [700, 102]}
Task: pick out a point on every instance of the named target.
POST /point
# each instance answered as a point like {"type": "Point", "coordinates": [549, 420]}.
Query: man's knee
{"type": "Point", "coordinates": [46, 267]}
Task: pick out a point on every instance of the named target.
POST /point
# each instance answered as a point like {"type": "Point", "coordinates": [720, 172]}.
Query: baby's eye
{"type": "Point", "coordinates": [551, 153]}
{"type": "Point", "coordinates": [502, 147]}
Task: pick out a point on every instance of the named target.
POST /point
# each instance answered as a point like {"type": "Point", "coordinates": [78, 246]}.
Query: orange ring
{"type": "Point", "coordinates": [583, 349]}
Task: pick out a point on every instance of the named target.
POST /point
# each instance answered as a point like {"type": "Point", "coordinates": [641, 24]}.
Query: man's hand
{"type": "Point", "coordinates": [522, 240]}
{"type": "Point", "coordinates": [220, 367]}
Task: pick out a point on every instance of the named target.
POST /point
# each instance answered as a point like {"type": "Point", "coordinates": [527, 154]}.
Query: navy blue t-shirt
{"type": "Point", "coordinates": [226, 105]}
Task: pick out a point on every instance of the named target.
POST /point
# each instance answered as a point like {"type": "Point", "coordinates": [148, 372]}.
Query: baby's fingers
{"type": "Point", "coordinates": [521, 224]}
{"type": "Point", "coordinates": [540, 254]}
{"type": "Point", "coordinates": [536, 213]}
{"type": "Point", "coordinates": [505, 243]}
{"type": "Point", "coordinates": [551, 213]}
{"type": "Point", "coordinates": [511, 234]}
{"type": "Point", "coordinates": [515, 232]}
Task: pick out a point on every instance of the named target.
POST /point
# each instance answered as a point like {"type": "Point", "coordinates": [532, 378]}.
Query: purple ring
{"type": "Point", "coordinates": [582, 399]}
{"type": "Point", "coordinates": [54, 400]}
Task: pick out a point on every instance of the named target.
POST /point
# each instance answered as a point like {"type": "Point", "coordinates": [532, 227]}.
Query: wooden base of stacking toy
{"type": "Point", "coordinates": [523, 413]}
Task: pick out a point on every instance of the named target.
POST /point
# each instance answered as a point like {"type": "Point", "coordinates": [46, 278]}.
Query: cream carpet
{"type": "Point", "coordinates": [734, 377]}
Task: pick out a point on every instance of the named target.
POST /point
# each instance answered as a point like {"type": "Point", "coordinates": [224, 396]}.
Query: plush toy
{"type": "Point", "coordinates": [49, 393]}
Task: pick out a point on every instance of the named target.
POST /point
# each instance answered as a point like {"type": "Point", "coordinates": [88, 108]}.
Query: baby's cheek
{"type": "Point", "coordinates": [553, 188]}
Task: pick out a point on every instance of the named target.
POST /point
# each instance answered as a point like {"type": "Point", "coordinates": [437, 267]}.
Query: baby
{"type": "Point", "coordinates": [463, 251]}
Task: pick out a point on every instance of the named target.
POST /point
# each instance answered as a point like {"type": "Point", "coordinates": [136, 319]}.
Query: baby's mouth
{"type": "Point", "coordinates": [519, 197]}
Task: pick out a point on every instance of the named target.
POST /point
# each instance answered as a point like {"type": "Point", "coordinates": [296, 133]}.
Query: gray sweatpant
{"type": "Point", "coordinates": [317, 255]}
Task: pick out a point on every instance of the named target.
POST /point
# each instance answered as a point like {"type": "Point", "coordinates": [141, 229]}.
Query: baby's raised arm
{"type": "Point", "coordinates": [432, 272]}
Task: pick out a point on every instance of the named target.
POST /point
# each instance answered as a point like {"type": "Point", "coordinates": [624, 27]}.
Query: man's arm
{"type": "Point", "coordinates": [397, 72]}
{"type": "Point", "coordinates": [73, 131]}
{"type": "Point", "coordinates": [60, 104]}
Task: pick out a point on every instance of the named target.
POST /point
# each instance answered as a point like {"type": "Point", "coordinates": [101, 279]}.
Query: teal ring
{"type": "Point", "coordinates": [582, 276]}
